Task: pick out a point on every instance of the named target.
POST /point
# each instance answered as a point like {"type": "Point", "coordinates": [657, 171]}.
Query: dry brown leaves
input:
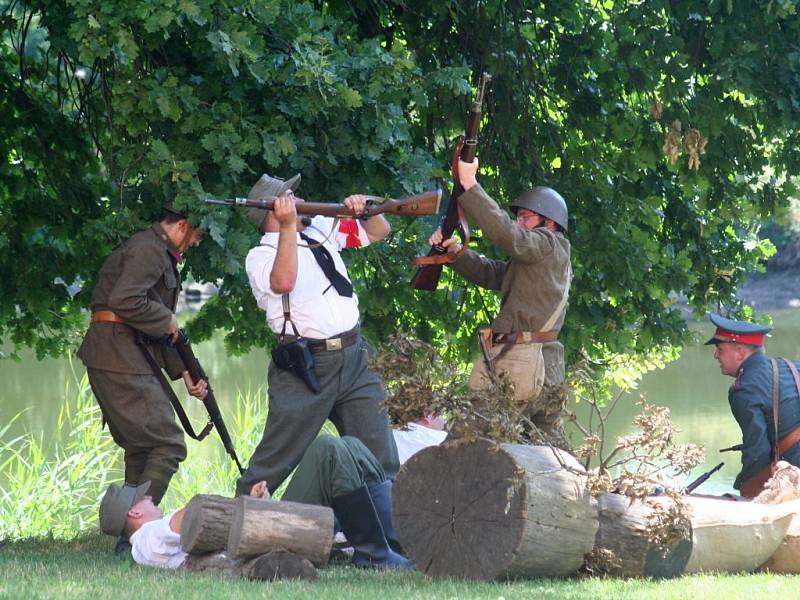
{"type": "Point", "coordinates": [419, 383]}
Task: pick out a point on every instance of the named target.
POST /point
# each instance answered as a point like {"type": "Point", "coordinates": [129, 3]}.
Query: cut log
{"type": "Point", "coordinates": [734, 537]}
{"type": "Point", "coordinates": [623, 531]}
{"type": "Point", "coordinates": [267, 567]}
{"type": "Point", "coordinates": [786, 559]}
{"type": "Point", "coordinates": [261, 526]}
{"type": "Point", "coordinates": [207, 523]}
{"type": "Point", "coordinates": [476, 510]}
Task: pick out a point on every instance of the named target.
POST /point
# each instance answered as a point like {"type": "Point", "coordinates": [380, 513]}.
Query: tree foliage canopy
{"type": "Point", "coordinates": [670, 128]}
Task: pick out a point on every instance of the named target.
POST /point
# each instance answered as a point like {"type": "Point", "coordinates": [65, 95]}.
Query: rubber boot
{"type": "Point", "coordinates": [363, 529]}
{"type": "Point", "coordinates": [381, 495]}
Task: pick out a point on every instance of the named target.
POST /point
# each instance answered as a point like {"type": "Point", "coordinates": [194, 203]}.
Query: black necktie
{"type": "Point", "coordinates": [325, 262]}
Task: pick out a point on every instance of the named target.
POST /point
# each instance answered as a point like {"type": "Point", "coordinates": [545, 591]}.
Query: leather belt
{"type": "Point", "coordinates": [525, 337]}
{"type": "Point", "coordinates": [334, 343]}
{"type": "Point", "coordinates": [106, 316]}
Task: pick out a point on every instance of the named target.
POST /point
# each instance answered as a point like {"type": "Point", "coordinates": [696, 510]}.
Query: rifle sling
{"type": "Point", "coordinates": [173, 399]}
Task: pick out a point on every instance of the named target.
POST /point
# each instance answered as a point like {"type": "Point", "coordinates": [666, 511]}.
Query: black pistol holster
{"type": "Point", "coordinates": [295, 355]}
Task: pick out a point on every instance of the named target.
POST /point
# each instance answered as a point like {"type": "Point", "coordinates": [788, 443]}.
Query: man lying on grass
{"type": "Point", "coordinates": [337, 472]}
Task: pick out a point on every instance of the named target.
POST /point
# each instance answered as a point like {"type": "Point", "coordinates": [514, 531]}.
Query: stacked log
{"type": "Point", "coordinates": [207, 523]}
{"type": "Point", "coordinates": [266, 567]}
{"type": "Point", "coordinates": [734, 537]}
{"type": "Point", "coordinates": [260, 526]}
{"type": "Point", "coordinates": [473, 509]}
{"type": "Point", "coordinates": [624, 523]}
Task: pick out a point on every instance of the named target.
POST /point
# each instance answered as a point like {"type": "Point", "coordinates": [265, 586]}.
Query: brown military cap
{"type": "Point", "coordinates": [267, 187]}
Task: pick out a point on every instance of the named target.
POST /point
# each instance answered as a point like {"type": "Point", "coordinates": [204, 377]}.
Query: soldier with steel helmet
{"type": "Point", "coordinates": [534, 286]}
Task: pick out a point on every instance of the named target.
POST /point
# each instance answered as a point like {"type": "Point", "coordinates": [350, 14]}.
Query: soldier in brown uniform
{"type": "Point", "coordinates": [534, 284]}
{"type": "Point", "coordinates": [136, 291]}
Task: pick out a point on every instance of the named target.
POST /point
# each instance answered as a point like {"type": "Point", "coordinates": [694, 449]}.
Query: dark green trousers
{"type": "Point", "coordinates": [333, 467]}
{"type": "Point", "coordinates": [142, 422]}
{"type": "Point", "coordinates": [352, 397]}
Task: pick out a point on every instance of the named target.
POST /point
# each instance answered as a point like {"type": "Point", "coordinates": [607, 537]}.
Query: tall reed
{"type": "Point", "coordinates": [53, 488]}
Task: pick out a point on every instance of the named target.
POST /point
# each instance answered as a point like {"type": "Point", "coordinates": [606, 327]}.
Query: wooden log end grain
{"type": "Point", "coordinates": [476, 510]}
{"type": "Point", "coordinates": [206, 523]}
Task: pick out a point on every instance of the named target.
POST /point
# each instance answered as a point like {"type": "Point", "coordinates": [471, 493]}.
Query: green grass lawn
{"type": "Point", "coordinates": [86, 568]}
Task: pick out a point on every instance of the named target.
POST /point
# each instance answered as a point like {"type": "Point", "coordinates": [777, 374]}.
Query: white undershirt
{"type": "Point", "coordinates": [415, 439]}
{"type": "Point", "coordinates": [317, 310]}
{"type": "Point", "coordinates": [155, 544]}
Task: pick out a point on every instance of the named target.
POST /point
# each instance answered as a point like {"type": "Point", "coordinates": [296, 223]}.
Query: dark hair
{"type": "Point", "coordinates": [168, 216]}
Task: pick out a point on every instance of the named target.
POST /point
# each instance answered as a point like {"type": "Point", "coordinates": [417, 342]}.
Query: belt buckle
{"type": "Point", "coordinates": [333, 344]}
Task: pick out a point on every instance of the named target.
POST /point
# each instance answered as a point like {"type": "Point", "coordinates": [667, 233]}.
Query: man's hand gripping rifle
{"type": "Point", "coordinates": [430, 266]}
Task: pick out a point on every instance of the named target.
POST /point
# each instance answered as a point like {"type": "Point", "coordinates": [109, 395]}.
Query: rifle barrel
{"type": "Point", "coordinates": [703, 478]}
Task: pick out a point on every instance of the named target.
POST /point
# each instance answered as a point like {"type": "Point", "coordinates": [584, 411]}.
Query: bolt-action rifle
{"type": "Point", "coordinates": [430, 266]}
{"type": "Point", "coordinates": [184, 349]}
{"type": "Point", "coordinates": [418, 205]}
{"type": "Point", "coordinates": [702, 479]}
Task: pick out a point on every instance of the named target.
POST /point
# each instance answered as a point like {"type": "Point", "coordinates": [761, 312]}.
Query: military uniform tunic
{"type": "Point", "coordinates": [532, 282]}
{"type": "Point", "coordinates": [750, 398]}
{"type": "Point", "coordinates": [139, 282]}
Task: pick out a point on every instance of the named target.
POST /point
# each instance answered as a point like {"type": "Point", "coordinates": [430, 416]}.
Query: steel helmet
{"type": "Point", "coordinates": [545, 201]}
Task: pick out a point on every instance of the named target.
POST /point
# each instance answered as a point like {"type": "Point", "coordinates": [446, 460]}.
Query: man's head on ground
{"type": "Point", "coordinates": [735, 341]}
{"type": "Point", "coordinates": [180, 231]}
{"type": "Point", "coordinates": [124, 509]}
{"type": "Point", "coordinates": [541, 207]}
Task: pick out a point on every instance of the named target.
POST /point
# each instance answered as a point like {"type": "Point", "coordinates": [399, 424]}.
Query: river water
{"type": "Point", "coordinates": [692, 387]}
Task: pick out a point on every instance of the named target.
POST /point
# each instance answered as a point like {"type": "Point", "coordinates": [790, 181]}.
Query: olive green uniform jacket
{"type": "Point", "coordinates": [532, 281]}
{"type": "Point", "coordinates": [140, 282]}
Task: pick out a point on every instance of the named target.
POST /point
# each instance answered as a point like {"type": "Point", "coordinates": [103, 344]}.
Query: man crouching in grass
{"type": "Point", "coordinates": [337, 472]}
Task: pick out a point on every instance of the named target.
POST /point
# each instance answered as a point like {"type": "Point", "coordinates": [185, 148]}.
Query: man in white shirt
{"type": "Point", "coordinates": [336, 472]}
{"type": "Point", "coordinates": [290, 263]}
{"type": "Point", "coordinates": [418, 435]}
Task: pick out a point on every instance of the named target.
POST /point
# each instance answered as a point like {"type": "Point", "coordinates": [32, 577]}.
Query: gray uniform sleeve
{"type": "Point", "coordinates": [524, 246]}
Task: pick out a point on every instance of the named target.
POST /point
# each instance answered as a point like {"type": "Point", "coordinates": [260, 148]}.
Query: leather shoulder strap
{"type": "Point", "coordinates": [776, 397]}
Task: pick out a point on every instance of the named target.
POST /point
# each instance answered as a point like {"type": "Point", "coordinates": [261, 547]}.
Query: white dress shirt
{"type": "Point", "coordinates": [317, 310]}
{"type": "Point", "coordinates": [155, 544]}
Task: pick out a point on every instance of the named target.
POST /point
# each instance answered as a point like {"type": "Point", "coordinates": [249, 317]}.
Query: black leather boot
{"type": "Point", "coordinates": [381, 495]}
{"type": "Point", "coordinates": [123, 546]}
{"type": "Point", "coordinates": [363, 529]}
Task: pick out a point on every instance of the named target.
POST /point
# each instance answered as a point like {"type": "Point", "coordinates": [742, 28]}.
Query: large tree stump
{"type": "Point", "coordinates": [260, 526]}
{"type": "Point", "coordinates": [481, 511]}
{"type": "Point", "coordinates": [267, 567]}
{"type": "Point", "coordinates": [207, 523]}
{"type": "Point", "coordinates": [623, 530]}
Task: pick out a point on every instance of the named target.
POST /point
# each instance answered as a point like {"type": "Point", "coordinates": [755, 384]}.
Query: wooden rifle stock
{"type": "Point", "coordinates": [430, 266]}
{"type": "Point", "coordinates": [418, 205]}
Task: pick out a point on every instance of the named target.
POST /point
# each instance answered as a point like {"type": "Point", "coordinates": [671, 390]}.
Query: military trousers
{"type": "Point", "coordinates": [333, 467]}
{"type": "Point", "coordinates": [352, 397]}
{"type": "Point", "coordinates": [141, 421]}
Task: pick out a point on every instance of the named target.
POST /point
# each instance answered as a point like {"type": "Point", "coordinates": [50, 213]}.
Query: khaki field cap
{"type": "Point", "coordinates": [265, 187]}
{"type": "Point", "coordinates": [545, 201]}
{"type": "Point", "coordinates": [115, 505]}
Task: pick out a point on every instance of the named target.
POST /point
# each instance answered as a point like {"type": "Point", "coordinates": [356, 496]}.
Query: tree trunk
{"type": "Point", "coordinates": [786, 559]}
{"type": "Point", "coordinates": [207, 523]}
{"type": "Point", "coordinates": [477, 510]}
{"type": "Point", "coordinates": [735, 537]}
{"type": "Point", "coordinates": [267, 567]}
{"type": "Point", "coordinates": [623, 531]}
{"type": "Point", "coordinates": [261, 526]}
